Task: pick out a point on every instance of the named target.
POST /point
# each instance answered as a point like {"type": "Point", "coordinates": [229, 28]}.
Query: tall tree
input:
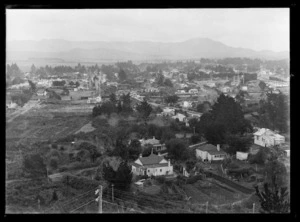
{"type": "Point", "coordinates": [144, 109]}
{"type": "Point", "coordinates": [274, 112]}
{"type": "Point", "coordinates": [120, 177]}
{"type": "Point", "coordinates": [122, 75]}
{"type": "Point", "coordinates": [273, 200]}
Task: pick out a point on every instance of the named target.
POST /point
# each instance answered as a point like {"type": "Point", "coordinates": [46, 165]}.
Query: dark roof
{"type": "Point", "coordinates": [151, 165]}
{"type": "Point", "coordinates": [210, 149]}
{"type": "Point", "coordinates": [151, 160]}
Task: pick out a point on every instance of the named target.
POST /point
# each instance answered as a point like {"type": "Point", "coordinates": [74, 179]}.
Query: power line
{"type": "Point", "coordinates": [140, 205]}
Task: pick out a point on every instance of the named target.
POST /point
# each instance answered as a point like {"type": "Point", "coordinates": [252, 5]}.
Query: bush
{"type": "Point", "coordinates": [258, 158]}
{"type": "Point", "coordinates": [194, 179]}
{"type": "Point", "coordinates": [160, 179]}
{"type": "Point", "coordinates": [79, 183]}
{"type": "Point", "coordinates": [232, 165]}
{"type": "Point", "coordinates": [54, 163]}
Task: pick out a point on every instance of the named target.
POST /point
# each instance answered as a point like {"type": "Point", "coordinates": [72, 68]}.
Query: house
{"type": "Point", "coordinates": [187, 104]}
{"type": "Point", "coordinates": [97, 99]}
{"type": "Point", "coordinates": [193, 91]}
{"type": "Point", "coordinates": [194, 114]}
{"type": "Point", "coordinates": [11, 105]}
{"type": "Point", "coordinates": [157, 146]}
{"type": "Point", "coordinates": [155, 165]}
{"type": "Point", "coordinates": [180, 91]}
{"type": "Point", "coordinates": [41, 92]}
{"type": "Point", "coordinates": [209, 152]}
{"type": "Point", "coordinates": [241, 155]}
{"type": "Point", "coordinates": [180, 117]}
{"type": "Point", "coordinates": [266, 138]}
{"type": "Point", "coordinates": [168, 112]}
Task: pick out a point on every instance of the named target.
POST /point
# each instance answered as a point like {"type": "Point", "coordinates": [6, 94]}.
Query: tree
{"type": "Point", "coordinates": [34, 165]}
{"type": "Point", "coordinates": [262, 85]}
{"type": "Point", "coordinates": [126, 103]}
{"type": "Point", "coordinates": [172, 99]}
{"type": "Point", "coordinates": [160, 79]}
{"type": "Point", "coordinates": [77, 84]}
{"type": "Point", "coordinates": [273, 113]}
{"type": "Point", "coordinates": [260, 157]}
{"type": "Point", "coordinates": [204, 107]}
{"type": "Point", "coordinates": [120, 177]}
{"type": "Point", "coordinates": [134, 149]}
{"type": "Point", "coordinates": [53, 163]}
{"type": "Point", "coordinates": [122, 75]}
{"type": "Point", "coordinates": [32, 86]}
{"type": "Point", "coordinates": [273, 200]}
{"type": "Point", "coordinates": [237, 143]}
{"type": "Point", "coordinates": [168, 83]}
{"type": "Point", "coordinates": [113, 98]}
{"type": "Point", "coordinates": [177, 149]}
{"type": "Point", "coordinates": [276, 173]}
{"type": "Point", "coordinates": [33, 69]}
{"type": "Point", "coordinates": [144, 109]}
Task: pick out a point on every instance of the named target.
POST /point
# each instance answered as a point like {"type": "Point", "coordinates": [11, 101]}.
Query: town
{"type": "Point", "coordinates": [186, 136]}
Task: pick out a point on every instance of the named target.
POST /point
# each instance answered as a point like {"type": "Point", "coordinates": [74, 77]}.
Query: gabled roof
{"type": "Point", "coordinates": [268, 132]}
{"type": "Point", "coordinates": [151, 160]}
{"type": "Point", "coordinates": [211, 149]}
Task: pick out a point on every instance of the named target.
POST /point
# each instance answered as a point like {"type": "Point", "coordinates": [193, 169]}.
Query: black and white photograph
{"type": "Point", "coordinates": [147, 111]}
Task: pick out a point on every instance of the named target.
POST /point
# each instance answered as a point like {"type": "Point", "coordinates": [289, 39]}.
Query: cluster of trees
{"type": "Point", "coordinates": [12, 71]}
{"type": "Point", "coordinates": [171, 99]}
{"type": "Point", "coordinates": [162, 81]}
{"type": "Point", "coordinates": [144, 109]}
{"type": "Point", "coordinates": [274, 113]}
{"type": "Point", "coordinates": [225, 124]}
{"type": "Point", "coordinates": [22, 98]}
{"type": "Point", "coordinates": [123, 105]}
{"type": "Point", "coordinates": [203, 107]}
{"type": "Point", "coordinates": [59, 83]}
{"type": "Point", "coordinates": [118, 173]}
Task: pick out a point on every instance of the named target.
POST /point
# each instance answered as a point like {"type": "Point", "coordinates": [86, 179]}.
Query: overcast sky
{"type": "Point", "coordinates": [258, 29]}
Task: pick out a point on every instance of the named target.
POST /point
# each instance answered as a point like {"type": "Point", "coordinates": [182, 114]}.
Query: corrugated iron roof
{"type": "Point", "coordinates": [151, 160]}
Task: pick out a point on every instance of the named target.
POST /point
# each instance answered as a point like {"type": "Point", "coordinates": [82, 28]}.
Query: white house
{"type": "Point", "coordinates": [193, 91]}
{"type": "Point", "coordinates": [154, 142]}
{"type": "Point", "coordinates": [209, 152]}
{"type": "Point", "coordinates": [168, 112]}
{"type": "Point", "coordinates": [180, 117]}
{"type": "Point", "coordinates": [241, 155]}
{"type": "Point", "coordinates": [41, 92]}
{"type": "Point", "coordinates": [266, 138]}
{"type": "Point", "coordinates": [187, 104]}
{"type": "Point", "coordinates": [152, 165]}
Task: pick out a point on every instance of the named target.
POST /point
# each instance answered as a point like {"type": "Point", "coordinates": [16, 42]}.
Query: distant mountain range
{"type": "Point", "coordinates": [90, 51]}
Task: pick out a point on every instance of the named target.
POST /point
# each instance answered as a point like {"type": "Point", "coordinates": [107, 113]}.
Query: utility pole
{"type": "Point", "coordinates": [99, 199]}
{"type": "Point", "coordinates": [112, 192]}
{"type": "Point", "coordinates": [253, 208]}
{"type": "Point", "coordinates": [206, 210]}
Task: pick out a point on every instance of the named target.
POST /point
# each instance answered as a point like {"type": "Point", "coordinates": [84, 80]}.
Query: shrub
{"type": "Point", "coordinates": [161, 180]}
{"type": "Point", "coordinates": [54, 163]}
{"type": "Point", "coordinates": [54, 146]}
{"type": "Point", "coordinates": [194, 179]}
{"type": "Point", "coordinates": [232, 165]}
{"type": "Point", "coordinates": [258, 158]}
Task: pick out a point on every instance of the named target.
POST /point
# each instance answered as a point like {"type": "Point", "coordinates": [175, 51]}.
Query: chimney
{"type": "Point", "coordinates": [218, 147]}
{"type": "Point", "coordinates": [141, 155]}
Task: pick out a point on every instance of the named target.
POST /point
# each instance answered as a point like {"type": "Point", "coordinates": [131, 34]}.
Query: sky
{"type": "Point", "coordinates": [257, 29]}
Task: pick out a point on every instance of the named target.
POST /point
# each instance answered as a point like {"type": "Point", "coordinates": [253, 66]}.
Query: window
{"type": "Point", "coordinates": [160, 170]}
{"type": "Point", "coordinates": [148, 171]}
